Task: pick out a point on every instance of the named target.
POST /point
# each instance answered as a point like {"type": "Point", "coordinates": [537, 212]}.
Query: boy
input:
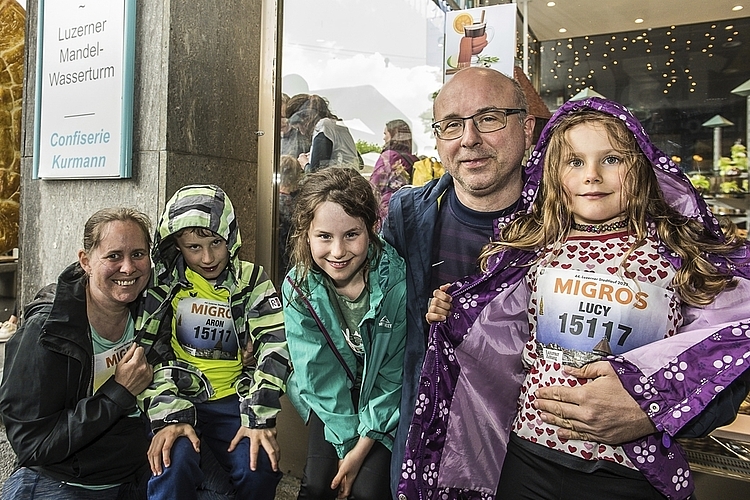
{"type": "Point", "coordinates": [205, 311]}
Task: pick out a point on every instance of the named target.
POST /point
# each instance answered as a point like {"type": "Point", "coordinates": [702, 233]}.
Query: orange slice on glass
{"type": "Point", "coordinates": [462, 20]}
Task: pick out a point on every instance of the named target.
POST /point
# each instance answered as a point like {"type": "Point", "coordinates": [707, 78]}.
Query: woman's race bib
{"type": "Point", "coordinates": [583, 315]}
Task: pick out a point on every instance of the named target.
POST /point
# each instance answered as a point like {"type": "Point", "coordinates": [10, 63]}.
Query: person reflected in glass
{"type": "Point", "coordinates": [393, 168]}
{"type": "Point", "coordinates": [291, 178]}
{"type": "Point", "coordinates": [332, 143]}
{"type": "Point", "coordinates": [293, 142]}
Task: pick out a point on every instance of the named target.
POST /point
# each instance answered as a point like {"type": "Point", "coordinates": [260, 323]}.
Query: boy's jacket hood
{"type": "Point", "coordinates": [676, 187]}
{"type": "Point", "coordinates": [204, 206]}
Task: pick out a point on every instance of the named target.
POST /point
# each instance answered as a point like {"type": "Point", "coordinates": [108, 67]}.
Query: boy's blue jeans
{"type": "Point", "coordinates": [218, 422]}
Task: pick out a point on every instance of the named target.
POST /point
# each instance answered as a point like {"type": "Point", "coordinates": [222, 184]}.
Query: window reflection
{"type": "Point", "coordinates": [376, 62]}
{"type": "Point", "coordinates": [373, 63]}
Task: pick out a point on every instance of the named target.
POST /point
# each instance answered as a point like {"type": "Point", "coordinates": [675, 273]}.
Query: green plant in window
{"type": "Point", "coordinates": [488, 61]}
{"type": "Point", "coordinates": [701, 183]}
{"type": "Point", "coordinates": [737, 163]}
{"type": "Point", "coordinates": [364, 147]}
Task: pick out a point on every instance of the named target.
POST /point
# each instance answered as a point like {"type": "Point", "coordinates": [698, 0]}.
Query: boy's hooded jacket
{"type": "Point", "coordinates": [256, 313]}
{"type": "Point", "coordinates": [472, 372]}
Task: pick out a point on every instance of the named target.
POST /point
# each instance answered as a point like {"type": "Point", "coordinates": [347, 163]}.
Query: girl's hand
{"type": "Point", "coordinates": [440, 305]}
{"type": "Point", "coordinates": [349, 467]}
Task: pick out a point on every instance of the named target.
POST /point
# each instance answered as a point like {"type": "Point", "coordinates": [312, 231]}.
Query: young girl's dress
{"type": "Point", "coordinates": [580, 299]}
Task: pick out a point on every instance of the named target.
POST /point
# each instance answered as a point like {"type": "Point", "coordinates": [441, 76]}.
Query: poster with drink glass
{"type": "Point", "coordinates": [485, 36]}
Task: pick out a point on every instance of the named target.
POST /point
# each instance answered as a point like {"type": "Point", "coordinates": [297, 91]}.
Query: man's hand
{"type": "Point", "coordinates": [303, 159]}
{"type": "Point", "coordinates": [440, 305]}
{"type": "Point", "coordinates": [133, 372]}
{"type": "Point", "coordinates": [601, 410]}
{"type": "Point", "coordinates": [161, 445]}
{"type": "Point", "coordinates": [349, 467]}
{"type": "Point", "coordinates": [259, 437]}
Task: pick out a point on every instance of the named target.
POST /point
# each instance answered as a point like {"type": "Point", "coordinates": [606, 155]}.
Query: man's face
{"type": "Point", "coordinates": [486, 166]}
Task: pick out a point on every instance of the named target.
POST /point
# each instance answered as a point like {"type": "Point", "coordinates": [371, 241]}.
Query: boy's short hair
{"type": "Point", "coordinates": [200, 231]}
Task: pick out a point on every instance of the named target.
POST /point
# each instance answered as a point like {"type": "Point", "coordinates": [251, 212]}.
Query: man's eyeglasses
{"type": "Point", "coordinates": [485, 122]}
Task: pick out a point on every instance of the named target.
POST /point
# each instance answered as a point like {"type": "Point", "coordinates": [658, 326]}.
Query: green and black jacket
{"type": "Point", "coordinates": [256, 312]}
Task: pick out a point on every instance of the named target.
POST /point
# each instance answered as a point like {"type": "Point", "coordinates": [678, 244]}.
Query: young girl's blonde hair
{"type": "Point", "coordinates": [549, 222]}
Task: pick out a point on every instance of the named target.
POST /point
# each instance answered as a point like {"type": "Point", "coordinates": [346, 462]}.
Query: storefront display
{"type": "Point", "coordinates": [721, 461]}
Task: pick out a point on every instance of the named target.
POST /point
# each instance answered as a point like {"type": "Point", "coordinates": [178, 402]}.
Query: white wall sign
{"type": "Point", "coordinates": [485, 36]}
{"type": "Point", "coordinates": [84, 89]}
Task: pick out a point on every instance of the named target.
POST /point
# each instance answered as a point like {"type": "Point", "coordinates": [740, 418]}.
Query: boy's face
{"type": "Point", "coordinates": [206, 255]}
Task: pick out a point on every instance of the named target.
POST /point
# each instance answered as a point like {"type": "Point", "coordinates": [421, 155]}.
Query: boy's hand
{"type": "Point", "coordinates": [247, 355]}
{"type": "Point", "coordinates": [161, 445]}
{"type": "Point", "coordinates": [259, 437]}
{"type": "Point", "coordinates": [440, 305]}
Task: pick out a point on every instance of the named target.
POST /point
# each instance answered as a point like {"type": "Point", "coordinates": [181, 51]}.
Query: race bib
{"type": "Point", "coordinates": [580, 312]}
{"type": "Point", "coordinates": [106, 361]}
{"type": "Point", "coordinates": [205, 328]}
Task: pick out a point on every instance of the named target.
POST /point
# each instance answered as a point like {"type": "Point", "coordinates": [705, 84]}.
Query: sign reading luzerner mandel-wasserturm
{"type": "Point", "coordinates": [84, 88]}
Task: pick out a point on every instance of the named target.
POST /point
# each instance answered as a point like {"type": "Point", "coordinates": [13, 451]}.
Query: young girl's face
{"type": "Point", "coordinates": [338, 244]}
{"type": "Point", "coordinates": [593, 175]}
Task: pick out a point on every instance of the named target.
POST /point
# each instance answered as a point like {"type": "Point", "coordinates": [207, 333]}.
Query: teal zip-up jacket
{"type": "Point", "coordinates": [255, 308]}
{"type": "Point", "coordinates": [319, 382]}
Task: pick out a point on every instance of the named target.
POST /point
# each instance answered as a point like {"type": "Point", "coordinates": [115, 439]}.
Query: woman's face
{"type": "Point", "coordinates": [386, 136]}
{"type": "Point", "coordinates": [119, 267]}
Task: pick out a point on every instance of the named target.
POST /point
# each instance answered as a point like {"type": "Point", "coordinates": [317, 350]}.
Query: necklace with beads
{"type": "Point", "coordinates": [600, 228]}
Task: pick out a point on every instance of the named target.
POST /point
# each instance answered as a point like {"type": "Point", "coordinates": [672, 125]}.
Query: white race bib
{"type": "Point", "coordinates": [204, 325]}
{"type": "Point", "coordinates": [578, 310]}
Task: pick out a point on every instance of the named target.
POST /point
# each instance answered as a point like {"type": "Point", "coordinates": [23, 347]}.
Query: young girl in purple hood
{"type": "Point", "coordinates": [611, 255]}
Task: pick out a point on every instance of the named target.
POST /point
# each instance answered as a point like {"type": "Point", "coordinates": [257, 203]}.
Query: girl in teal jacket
{"type": "Point", "coordinates": [345, 314]}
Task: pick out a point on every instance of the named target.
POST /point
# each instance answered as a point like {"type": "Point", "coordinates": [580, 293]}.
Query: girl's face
{"type": "Point", "coordinates": [593, 175]}
{"type": "Point", "coordinates": [386, 136]}
{"type": "Point", "coordinates": [338, 244]}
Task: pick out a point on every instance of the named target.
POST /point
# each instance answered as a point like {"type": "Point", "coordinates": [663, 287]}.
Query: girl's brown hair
{"type": "Point", "coordinates": [400, 136]}
{"type": "Point", "coordinates": [343, 186]}
{"type": "Point", "coordinates": [548, 223]}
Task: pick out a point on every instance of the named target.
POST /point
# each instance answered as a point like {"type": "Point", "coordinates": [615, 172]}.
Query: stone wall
{"type": "Point", "coordinates": [194, 120]}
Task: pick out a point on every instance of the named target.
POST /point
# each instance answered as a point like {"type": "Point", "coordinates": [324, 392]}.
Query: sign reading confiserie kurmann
{"type": "Point", "coordinates": [83, 125]}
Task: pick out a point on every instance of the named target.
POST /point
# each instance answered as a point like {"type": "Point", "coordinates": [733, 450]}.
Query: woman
{"type": "Point", "coordinates": [72, 372]}
{"type": "Point", "coordinates": [332, 143]}
{"type": "Point", "coordinates": [394, 167]}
